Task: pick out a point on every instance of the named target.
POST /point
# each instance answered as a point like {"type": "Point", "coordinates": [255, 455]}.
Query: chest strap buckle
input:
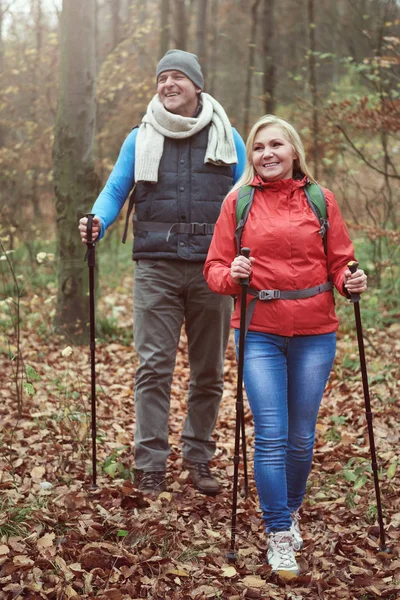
{"type": "Point", "coordinates": [269, 294]}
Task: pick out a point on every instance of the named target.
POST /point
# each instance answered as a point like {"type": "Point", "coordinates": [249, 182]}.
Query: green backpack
{"type": "Point", "coordinates": [315, 197]}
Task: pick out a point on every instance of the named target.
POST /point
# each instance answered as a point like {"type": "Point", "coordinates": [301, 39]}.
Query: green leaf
{"type": "Point", "coordinates": [339, 419]}
{"type": "Point", "coordinates": [350, 476]}
{"type": "Point", "coordinates": [31, 373]}
{"type": "Point", "coordinates": [113, 469]}
{"type": "Point", "coordinates": [378, 378]}
{"type": "Point", "coordinates": [122, 533]}
{"type": "Point", "coordinates": [28, 387]}
{"type": "Point", "coordinates": [361, 481]}
{"type": "Point", "coordinates": [391, 472]}
{"type": "Point", "coordinates": [349, 362]}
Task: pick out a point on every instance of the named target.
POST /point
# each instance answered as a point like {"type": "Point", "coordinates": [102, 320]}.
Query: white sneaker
{"type": "Point", "coordinates": [298, 542]}
{"type": "Point", "coordinates": [280, 553]}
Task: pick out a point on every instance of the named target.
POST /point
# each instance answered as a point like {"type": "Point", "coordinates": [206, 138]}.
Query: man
{"type": "Point", "coordinates": [184, 158]}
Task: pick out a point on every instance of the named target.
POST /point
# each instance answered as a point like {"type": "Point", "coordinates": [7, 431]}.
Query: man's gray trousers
{"type": "Point", "coordinates": [166, 294]}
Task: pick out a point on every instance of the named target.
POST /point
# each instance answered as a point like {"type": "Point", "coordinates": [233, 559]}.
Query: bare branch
{"type": "Point", "coordinates": [7, 8]}
{"type": "Point", "coordinates": [365, 160]}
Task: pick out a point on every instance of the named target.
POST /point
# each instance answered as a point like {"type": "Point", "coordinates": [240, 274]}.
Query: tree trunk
{"type": "Point", "coordinates": [312, 79]}
{"type": "Point", "coordinates": [165, 28]}
{"type": "Point", "coordinates": [1, 38]}
{"type": "Point", "coordinates": [180, 32]}
{"type": "Point", "coordinates": [116, 22]}
{"type": "Point", "coordinates": [4, 8]}
{"type": "Point", "coordinates": [251, 66]}
{"type": "Point", "coordinates": [269, 63]}
{"type": "Point", "coordinates": [2, 131]}
{"type": "Point", "coordinates": [75, 181]}
{"type": "Point", "coordinates": [201, 33]}
{"type": "Point", "coordinates": [36, 7]}
{"type": "Point", "coordinates": [214, 46]}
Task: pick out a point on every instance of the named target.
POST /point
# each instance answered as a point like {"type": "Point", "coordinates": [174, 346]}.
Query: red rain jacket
{"type": "Point", "coordinates": [283, 235]}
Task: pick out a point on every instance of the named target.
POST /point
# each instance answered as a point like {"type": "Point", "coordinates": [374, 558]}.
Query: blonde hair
{"type": "Point", "coordinates": [299, 164]}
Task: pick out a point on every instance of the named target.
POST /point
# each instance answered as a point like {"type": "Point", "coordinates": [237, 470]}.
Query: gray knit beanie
{"type": "Point", "coordinates": [186, 62]}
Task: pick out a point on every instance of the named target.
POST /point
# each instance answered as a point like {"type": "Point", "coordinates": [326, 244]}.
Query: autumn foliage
{"type": "Point", "coordinates": [60, 539]}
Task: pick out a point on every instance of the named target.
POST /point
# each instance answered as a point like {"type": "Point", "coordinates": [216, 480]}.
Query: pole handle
{"type": "Point", "coordinates": [246, 253]}
{"type": "Point", "coordinates": [90, 217]}
{"type": "Point", "coordinates": [353, 266]}
{"type": "Point", "coordinates": [90, 254]}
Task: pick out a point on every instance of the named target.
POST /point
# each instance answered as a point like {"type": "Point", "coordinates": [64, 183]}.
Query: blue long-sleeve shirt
{"type": "Point", "coordinates": [121, 180]}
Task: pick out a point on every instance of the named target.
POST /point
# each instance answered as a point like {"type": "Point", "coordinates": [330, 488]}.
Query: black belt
{"type": "Point", "coordinates": [168, 228]}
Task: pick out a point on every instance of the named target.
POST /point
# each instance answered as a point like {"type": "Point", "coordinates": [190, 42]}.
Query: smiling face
{"type": "Point", "coordinates": [178, 93]}
{"type": "Point", "coordinates": [273, 154]}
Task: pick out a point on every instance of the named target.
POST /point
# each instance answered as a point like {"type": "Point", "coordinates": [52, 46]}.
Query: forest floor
{"type": "Point", "coordinates": [59, 539]}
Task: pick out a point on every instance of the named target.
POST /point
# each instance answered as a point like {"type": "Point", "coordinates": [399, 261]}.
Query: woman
{"type": "Point", "coordinates": [290, 343]}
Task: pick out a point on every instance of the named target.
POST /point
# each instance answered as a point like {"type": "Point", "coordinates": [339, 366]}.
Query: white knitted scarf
{"type": "Point", "coordinates": [158, 123]}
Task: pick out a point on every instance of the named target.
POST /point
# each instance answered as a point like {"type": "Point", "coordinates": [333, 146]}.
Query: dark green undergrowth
{"type": "Point", "coordinates": [380, 304]}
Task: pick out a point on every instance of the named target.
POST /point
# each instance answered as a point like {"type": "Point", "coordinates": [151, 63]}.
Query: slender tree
{"type": "Point", "coordinates": [116, 22]}
{"type": "Point", "coordinates": [36, 9]}
{"type": "Point", "coordinates": [2, 132]}
{"type": "Point", "coordinates": [4, 8]}
{"type": "Point", "coordinates": [1, 36]}
{"type": "Point", "coordinates": [180, 22]}
{"type": "Point", "coordinates": [74, 176]}
{"type": "Point", "coordinates": [251, 65]}
{"type": "Point", "coordinates": [213, 54]}
{"type": "Point", "coordinates": [269, 63]}
{"type": "Point", "coordinates": [165, 29]}
{"type": "Point", "coordinates": [312, 79]}
{"type": "Point", "coordinates": [201, 34]}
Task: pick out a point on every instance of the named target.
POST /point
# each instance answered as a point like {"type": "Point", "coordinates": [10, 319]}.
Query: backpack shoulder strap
{"type": "Point", "coordinates": [317, 201]}
{"type": "Point", "coordinates": [243, 205]}
{"type": "Point", "coordinates": [128, 213]}
{"type": "Point", "coordinates": [131, 203]}
{"type": "Point", "coordinates": [317, 197]}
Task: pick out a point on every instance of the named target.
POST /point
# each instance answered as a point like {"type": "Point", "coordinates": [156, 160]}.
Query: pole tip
{"type": "Point", "coordinates": [385, 549]}
{"type": "Point", "coordinates": [231, 557]}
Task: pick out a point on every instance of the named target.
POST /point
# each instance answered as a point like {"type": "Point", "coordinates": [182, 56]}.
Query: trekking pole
{"type": "Point", "coordinates": [355, 299]}
{"type": "Point", "coordinates": [239, 429]}
{"type": "Point", "coordinates": [91, 258]}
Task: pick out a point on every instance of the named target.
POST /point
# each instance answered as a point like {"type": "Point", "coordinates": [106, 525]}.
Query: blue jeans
{"type": "Point", "coordinates": [284, 378]}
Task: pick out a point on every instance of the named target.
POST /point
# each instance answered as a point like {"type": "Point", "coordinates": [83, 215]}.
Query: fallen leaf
{"type": "Point", "coordinates": [46, 541]}
{"type": "Point", "coordinates": [21, 560]}
{"type": "Point", "coordinates": [246, 551]}
{"type": "Point", "coordinates": [37, 473]}
{"type": "Point", "coordinates": [255, 582]}
{"type": "Point", "coordinates": [202, 591]}
{"type": "Point", "coordinates": [165, 496]}
{"type": "Point", "coordinates": [229, 572]}
{"type": "Point", "coordinates": [213, 534]}
{"type": "Point", "coordinates": [178, 572]}
{"type": "Point", "coordinates": [70, 592]}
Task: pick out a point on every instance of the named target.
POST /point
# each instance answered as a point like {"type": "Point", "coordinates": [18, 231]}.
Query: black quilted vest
{"type": "Point", "coordinates": [187, 192]}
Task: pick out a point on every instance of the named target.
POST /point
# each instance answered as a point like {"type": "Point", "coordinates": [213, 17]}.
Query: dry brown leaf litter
{"type": "Point", "coordinates": [62, 540]}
